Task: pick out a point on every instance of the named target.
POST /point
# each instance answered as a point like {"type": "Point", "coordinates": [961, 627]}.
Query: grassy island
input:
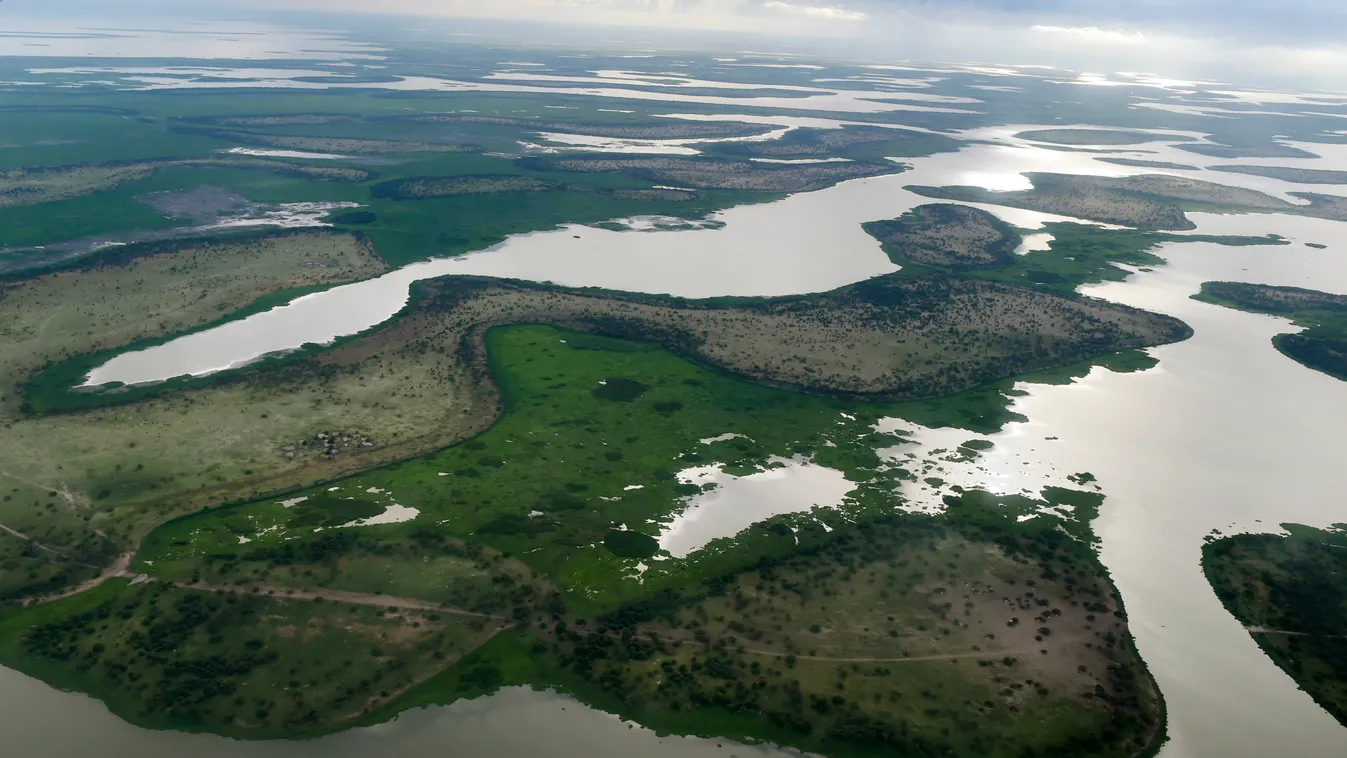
{"type": "Point", "coordinates": [1290, 592]}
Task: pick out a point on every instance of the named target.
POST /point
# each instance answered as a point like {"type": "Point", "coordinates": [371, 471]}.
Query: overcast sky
{"type": "Point", "coordinates": [1287, 20]}
{"type": "Point", "coordinates": [1288, 39]}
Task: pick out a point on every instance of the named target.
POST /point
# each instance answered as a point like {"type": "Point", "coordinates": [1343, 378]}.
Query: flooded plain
{"type": "Point", "coordinates": [1225, 434]}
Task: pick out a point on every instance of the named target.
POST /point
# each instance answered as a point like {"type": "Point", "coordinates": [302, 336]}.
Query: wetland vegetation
{"type": "Point", "coordinates": [485, 490]}
{"type": "Point", "coordinates": [751, 633]}
{"type": "Point", "coordinates": [550, 519]}
{"type": "Point", "coordinates": [1290, 591]}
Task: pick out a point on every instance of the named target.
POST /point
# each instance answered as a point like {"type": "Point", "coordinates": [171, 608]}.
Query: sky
{"type": "Point", "coordinates": [1285, 40]}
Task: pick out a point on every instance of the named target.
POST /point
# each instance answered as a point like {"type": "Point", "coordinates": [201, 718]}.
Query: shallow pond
{"type": "Point", "coordinates": [787, 485]}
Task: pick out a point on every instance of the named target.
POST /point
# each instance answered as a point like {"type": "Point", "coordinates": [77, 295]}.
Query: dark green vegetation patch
{"type": "Point", "coordinates": [629, 544]}
{"type": "Point", "coordinates": [1323, 344]}
{"type": "Point", "coordinates": [619, 389]}
{"type": "Point", "coordinates": [1291, 593]}
{"type": "Point", "coordinates": [328, 511]}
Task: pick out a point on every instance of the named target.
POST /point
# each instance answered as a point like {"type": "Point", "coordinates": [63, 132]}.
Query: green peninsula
{"type": "Point", "coordinates": [1290, 592]}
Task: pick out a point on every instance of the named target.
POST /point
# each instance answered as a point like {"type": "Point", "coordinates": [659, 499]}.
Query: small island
{"type": "Point", "coordinates": [1092, 137]}
{"type": "Point", "coordinates": [1290, 592]}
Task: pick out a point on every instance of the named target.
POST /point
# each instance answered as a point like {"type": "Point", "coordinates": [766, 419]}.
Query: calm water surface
{"type": "Point", "coordinates": [515, 723]}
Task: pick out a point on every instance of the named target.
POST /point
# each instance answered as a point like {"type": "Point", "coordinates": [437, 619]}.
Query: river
{"type": "Point", "coordinates": [809, 242]}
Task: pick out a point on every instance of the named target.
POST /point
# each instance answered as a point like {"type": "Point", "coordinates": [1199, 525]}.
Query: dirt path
{"type": "Point", "coordinates": [120, 570]}
{"type": "Point", "coordinates": [26, 538]}
{"type": "Point", "coordinates": [341, 596]}
{"type": "Point", "coordinates": [449, 663]}
{"type": "Point", "coordinates": [38, 545]}
{"type": "Point", "coordinates": [117, 569]}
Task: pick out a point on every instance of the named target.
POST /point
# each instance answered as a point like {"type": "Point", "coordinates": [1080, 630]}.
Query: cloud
{"type": "Point", "coordinates": [825, 12]}
{"type": "Point", "coordinates": [1246, 40]}
{"type": "Point", "coordinates": [1093, 33]}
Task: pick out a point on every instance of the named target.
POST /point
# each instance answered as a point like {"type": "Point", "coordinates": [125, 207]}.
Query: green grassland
{"type": "Point", "coordinates": [1290, 590]}
{"type": "Point", "coordinates": [1322, 346]}
{"type": "Point", "coordinates": [86, 486]}
{"type": "Point", "coordinates": [537, 499]}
